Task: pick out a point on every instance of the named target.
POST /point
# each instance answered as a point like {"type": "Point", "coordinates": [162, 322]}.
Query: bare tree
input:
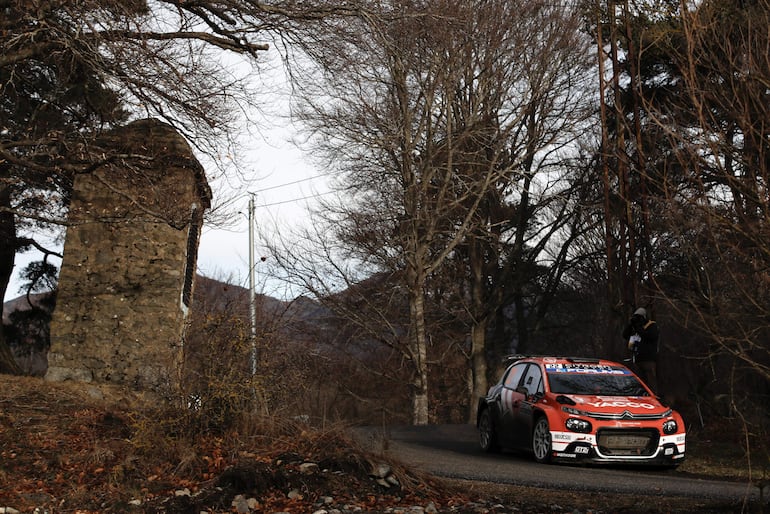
{"type": "Point", "coordinates": [72, 69]}
{"type": "Point", "coordinates": [540, 98]}
{"type": "Point", "coordinates": [388, 119]}
{"type": "Point", "coordinates": [430, 112]}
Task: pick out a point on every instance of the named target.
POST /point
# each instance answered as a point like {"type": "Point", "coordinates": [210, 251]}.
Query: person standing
{"type": "Point", "coordinates": [641, 335]}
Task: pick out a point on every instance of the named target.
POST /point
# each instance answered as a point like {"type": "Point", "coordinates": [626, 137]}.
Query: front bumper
{"type": "Point", "coordinates": [571, 447]}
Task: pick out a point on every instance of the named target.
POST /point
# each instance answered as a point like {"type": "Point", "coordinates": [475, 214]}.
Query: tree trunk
{"type": "Point", "coordinates": [8, 365]}
{"type": "Point", "coordinates": [478, 366]}
{"type": "Point", "coordinates": [419, 350]}
{"type": "Point", "coordinates": [7, 258]}
{"type": "Point", "coordinates": [479, 309]}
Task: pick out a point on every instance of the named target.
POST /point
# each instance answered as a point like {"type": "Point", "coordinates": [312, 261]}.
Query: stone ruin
{"type": "Point", "coordinates": [129, 262]}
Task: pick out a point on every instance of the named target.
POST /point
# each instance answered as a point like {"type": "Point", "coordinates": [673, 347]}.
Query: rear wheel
{"type": "Point", "coordinates": [487, 435]}
{"type": "Point", "coordinates": [541, 441]}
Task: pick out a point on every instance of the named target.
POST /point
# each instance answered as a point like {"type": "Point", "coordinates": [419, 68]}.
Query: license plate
{"type": "Point", "coordinates": [625, 441]}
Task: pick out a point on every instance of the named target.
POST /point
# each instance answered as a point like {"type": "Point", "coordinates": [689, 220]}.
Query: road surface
{"type": "Point", "coordinates": [452, 451]}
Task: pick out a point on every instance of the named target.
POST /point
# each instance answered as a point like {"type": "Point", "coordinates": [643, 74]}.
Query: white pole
{"type": "Point", "coordinates": [252, 293]}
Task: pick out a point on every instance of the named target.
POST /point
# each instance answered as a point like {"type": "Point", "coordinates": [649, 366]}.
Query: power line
{"type": "Point", "coordinates": [295, 199]}
{"type": "Point", "coordinates": [292, 183]}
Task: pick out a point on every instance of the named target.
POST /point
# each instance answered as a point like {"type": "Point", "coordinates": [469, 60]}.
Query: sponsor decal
{"type": "Point", "coordinates": [568, 455]}
{"type": "Point", "coordinates": [507, 400]}
{"type": "Point", "coordinates": [505, 396]}
{"type": "Point", "coordinates": [558, 436]}
{"type": "Point", "coordinates": [581, 449]}
{"type": "Point", "coordinates": [621, 403]}
{"type": "Point", "coordinates": [585, 368]}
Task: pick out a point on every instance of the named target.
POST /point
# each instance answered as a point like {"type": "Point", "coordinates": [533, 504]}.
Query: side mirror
{"type": "Point", "coordinates": [529, 396]}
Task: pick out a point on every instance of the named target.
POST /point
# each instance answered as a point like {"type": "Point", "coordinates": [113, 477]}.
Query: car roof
{"type": "Point", "coordinates": [552, 359]}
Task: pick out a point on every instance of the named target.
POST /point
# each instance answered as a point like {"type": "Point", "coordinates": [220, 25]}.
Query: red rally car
{"type": "Point", "coordinates": [577, 409]}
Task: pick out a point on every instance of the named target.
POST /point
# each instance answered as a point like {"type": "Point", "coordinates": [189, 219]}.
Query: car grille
{"type": "Point", "coordinates": [635, 442]}
{"type": "Point", "coordinates": [627, 415]}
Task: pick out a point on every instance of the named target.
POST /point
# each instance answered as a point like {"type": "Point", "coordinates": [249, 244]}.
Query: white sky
{"type": "Point", "coordinates": [285, 185]}
{"type": "Point", "coordinates": [281, 177]}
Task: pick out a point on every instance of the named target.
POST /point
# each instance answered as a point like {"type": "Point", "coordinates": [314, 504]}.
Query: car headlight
{"type": "Point", "coordinates": [578, 425]}
{"type": "Point", "coordinates": [670, 427]}
{"type": "Point", "coordinates": [573, 411]}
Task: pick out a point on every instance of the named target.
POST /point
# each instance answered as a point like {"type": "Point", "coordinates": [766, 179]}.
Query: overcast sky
{"type": "Point", "coordinates": [287, 184]}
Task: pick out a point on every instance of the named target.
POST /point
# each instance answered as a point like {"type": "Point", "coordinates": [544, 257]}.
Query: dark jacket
{"type": "Point", "coordinates": [649, 332]}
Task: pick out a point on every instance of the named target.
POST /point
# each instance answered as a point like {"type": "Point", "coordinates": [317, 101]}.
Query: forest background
{"type": "Point", "coordinates": [511, 177]}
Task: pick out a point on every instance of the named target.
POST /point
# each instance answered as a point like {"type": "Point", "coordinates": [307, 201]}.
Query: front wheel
{"type": "Point", "coordinates": [541, 441]}
{"type": "Point", "coordinates": [487, 435]}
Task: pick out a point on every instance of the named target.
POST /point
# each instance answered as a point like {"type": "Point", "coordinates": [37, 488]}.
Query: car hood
{"type": "Point", "coordinates": [631, 406]}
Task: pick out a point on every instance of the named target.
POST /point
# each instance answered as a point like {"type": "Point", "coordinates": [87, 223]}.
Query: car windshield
{"type": "Point", "coordinates": [593, 380]}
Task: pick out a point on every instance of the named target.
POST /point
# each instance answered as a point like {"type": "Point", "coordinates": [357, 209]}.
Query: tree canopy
{"type": "Point", "coordinates": [70, 70]}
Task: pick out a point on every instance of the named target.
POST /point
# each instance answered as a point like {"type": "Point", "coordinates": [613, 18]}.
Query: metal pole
{"type": "Point", "coordinates": [252, 293]}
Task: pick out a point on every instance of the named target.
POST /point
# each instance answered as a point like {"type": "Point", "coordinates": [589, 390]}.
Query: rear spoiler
{"type": "Point", "coordinates": [576, 360]}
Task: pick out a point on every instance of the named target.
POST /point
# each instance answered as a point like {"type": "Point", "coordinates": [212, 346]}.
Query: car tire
{"type": "Point", "coordinates": [541, 441]}
{"type": "Point", "coordinates": [487, 434]}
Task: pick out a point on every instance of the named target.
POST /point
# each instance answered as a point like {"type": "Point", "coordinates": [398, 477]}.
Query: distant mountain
{"type": "Point", "coordinates": [297, 320]}
{"type": "Point", "coordinates": [216, 295]}
{"type": "Point", "coordinates": [21, 303]}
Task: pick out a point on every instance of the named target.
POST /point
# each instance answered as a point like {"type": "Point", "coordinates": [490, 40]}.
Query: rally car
{"type": "Point", "coordinates": [579, 410]}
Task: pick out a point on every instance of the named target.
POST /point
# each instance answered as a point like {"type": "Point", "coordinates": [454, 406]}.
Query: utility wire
{"type": "Point", "coordinates": [294, 200]}
{"type": "Point", "coordinates": [292, 183]}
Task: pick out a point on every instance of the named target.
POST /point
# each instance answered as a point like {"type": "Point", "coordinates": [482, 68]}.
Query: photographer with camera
{"type": "Point", "coordinates": [641, 336]}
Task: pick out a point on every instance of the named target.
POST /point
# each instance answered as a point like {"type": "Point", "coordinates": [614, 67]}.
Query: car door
{"type": "Point", "coordinates": [531, 389]}
{"type": "Point", "coordinates": [510, 398]}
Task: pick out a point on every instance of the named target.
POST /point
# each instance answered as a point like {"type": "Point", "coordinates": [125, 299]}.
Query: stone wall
{"type": "Point", "coordinates": [129, 261]}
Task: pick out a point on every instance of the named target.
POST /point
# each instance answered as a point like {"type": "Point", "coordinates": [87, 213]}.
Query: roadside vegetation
{"type": "Point", "coordinates": [510, 176]}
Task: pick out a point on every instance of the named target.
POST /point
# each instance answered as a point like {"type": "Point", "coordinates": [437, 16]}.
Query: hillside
{"type": "Point", "coordinates": [31, 348]}
{"type": "Point", "coordinates": [68, 447]}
